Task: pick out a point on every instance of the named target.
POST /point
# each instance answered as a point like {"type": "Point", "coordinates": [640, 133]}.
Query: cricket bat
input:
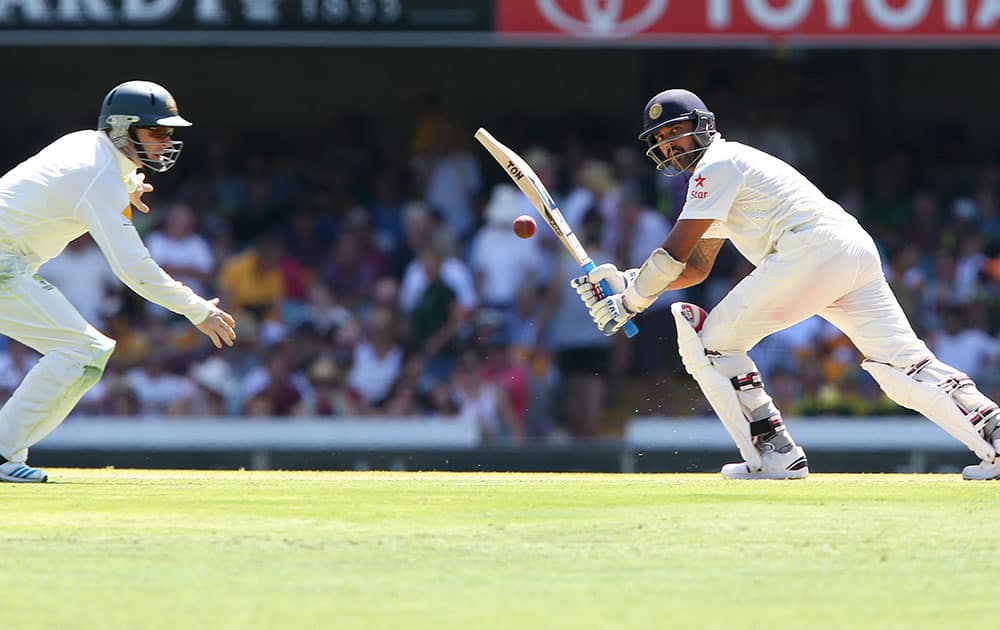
{"type": "Point", "coordinates": [535, 191]}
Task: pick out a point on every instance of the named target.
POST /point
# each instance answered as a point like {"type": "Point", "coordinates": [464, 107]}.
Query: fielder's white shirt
{"type": "Point", "coordinates": [755, 198]}
{"type": "Point", "coordinates": [78, 184]}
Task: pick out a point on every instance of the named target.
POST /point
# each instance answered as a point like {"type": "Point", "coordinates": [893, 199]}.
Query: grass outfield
{"type": "Point", "coordinates": [208, 550]}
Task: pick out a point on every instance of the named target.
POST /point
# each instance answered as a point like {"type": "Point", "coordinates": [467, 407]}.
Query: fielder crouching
{"type": "Point", "coordinates": [86, 181]}
{"type": "Point", "coordinates": [811, 257]}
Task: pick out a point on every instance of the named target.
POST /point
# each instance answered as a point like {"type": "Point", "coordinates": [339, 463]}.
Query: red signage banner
{"type": "Point", "coordinates": [807, 21]}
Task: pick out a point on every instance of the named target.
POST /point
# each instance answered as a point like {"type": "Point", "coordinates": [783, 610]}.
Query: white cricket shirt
{"type": "Point", "coordinates": [755, 198]}
{"type": "Point", "coordinates": [78, 184]}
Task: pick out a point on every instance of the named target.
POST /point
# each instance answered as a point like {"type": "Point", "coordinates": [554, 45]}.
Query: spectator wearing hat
{"type": "Point", "coordinates": [500, 260]}
{"type": "Point", "coordinates": [330, 394]}
{"type": "Point", "coordinates": [216, 385]}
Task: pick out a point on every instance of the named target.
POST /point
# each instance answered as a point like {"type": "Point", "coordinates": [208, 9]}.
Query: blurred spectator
{"type": "Point", "coordinates": [637, 231]}
{"type": "Point", "coordinates": [964, 345]}
{"type": "Point", "coordinates": [404, 398]}
{"type": "Point", "coordinates": [594, 187]}
{"type": "Point", "coordinates": [418, 226]}
{"type": "Point", "coordinates": [329, 395]}
{"type": "Point", "coordinates": [159, 392]}
{"type": "Point", "coordinates": [273, 390]}
{"type": "Point", "coordinates": [253, 281]}
{"type": "Point", "coordinates": [441, 400]}
{"type": "Point", "coordinates": [121, 399]}
{"type": "Point", "coordinates": [437, 315]}
{"type": "Point", "coordinates": [582, 351]}
{"type": "Point", "coordinates": [354, 263]}
{"type": "Point", "coordinates": [16, 360]}
{"type": "Point", "coordinates": [216, 386]}
{"type": "Point", "coordinates": [921, 228]}
{"type": "Point", "coordinates": [500, 260]}
{"type": "Point", "coordinates": [378, 360]}
{"type": "Point", "coordinates": [483, 404]}
{"type": "Point", "coordinates": [387, 205]}
{"type": "Point", "coordinates": [453, 272]}
{"type": "Point", "coordinates": [182, 252]}
{"type": "Point", "coordinates": [322, 312]}
{"type": "Point", "coordinates": [967, 267]}
{"type": "Point", "coordinates": [450, 177]}
{"type": "Point", "coordinates": [502, 365]}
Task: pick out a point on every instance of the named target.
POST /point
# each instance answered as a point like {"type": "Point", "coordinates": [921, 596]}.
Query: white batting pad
{"type": "Point", "coordinates": [717, 388]}
{"type": "Point", "coordinates": [931, 401]}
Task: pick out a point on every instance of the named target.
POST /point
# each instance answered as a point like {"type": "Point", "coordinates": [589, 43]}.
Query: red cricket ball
{"type": "Point", "coordinates": [524, 226]}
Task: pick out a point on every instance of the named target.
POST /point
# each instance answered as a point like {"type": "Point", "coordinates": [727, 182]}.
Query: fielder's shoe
{"type": "Point", "coordinates": [21, 473]}
{"type": "Point", "coordinates": [789, 465]}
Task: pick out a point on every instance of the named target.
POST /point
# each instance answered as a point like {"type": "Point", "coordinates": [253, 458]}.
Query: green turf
{"type": "Point", "coordinates": [200, 550]}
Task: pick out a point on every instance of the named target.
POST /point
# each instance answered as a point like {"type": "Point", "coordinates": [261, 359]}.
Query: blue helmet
{"type": "Point", "coordinates": [669, 108]}
{"type": "Point", "coordinates": [141, 104]}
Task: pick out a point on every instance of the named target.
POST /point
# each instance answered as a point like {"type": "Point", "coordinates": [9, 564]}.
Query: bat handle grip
{"type": "Point", "coordinates": [630, 328]}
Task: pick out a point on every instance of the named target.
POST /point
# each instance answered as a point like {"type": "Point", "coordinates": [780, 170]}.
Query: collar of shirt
{"type": "Point", "coordinates": [125, 165]}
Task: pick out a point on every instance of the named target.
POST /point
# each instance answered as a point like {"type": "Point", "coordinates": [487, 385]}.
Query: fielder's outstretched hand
{"type": "Point", "coordinates": [219, 326]}
{"type": "Point", "coordinates": [138, 180]}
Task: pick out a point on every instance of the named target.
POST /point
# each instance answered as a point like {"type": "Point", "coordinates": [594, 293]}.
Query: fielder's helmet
{"type": "Point", "coordinates": [141, 104]}
{"type": "Point", "coordinates": [668, 108]}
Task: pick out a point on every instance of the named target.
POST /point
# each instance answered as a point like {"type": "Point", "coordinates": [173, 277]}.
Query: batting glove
{"type": "Point", "coordinates": [588, 287]}
{"type": "Point", "coordinates": [611, 313]}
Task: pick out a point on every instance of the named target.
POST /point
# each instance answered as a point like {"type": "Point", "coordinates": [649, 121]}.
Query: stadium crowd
{"type": "Point", "coordinates": [383, 279]}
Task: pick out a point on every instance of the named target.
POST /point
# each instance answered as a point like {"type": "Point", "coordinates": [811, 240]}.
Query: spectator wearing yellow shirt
{"type": "Point", "coordinates": [252, 280]}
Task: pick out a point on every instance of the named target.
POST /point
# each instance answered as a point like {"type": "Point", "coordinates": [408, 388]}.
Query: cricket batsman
{"type": "Point", "coordinates": [86, 181]}
{"type": "Point", "coordinates": [811, 257]}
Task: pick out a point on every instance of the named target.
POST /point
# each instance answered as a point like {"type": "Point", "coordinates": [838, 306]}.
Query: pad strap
{"type": "Point", "coordinates": [750, 380]}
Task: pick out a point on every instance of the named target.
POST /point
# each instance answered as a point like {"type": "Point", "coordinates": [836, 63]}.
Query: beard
{"type": "Point", "coordinates": [681, 160]}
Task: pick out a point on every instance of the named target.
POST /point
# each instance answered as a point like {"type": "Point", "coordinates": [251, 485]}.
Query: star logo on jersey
{"type": "Point", "coordinates": [699, 182]}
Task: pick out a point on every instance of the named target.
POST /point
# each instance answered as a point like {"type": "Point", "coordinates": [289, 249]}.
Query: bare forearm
{"type": "Point", "coordinates": [688, 278]}
{"type": "Point", "coordinates": [699, 264]}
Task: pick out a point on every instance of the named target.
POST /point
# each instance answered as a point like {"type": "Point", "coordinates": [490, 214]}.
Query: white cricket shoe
{"type": "Point", "coordinates": [984, 470]}
{"type": "Point", "coordinates": [790, 465]}
{"type": "Point", "coordinates": [21, 473]}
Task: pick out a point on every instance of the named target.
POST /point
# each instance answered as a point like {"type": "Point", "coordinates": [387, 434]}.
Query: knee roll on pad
{"type": "Point", "coordinates": [944, 396]}
{"type": "Point", "coordinates": [718, 389]}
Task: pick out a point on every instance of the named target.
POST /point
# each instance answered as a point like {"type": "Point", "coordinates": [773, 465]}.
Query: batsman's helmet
{"type": "Point", "coordinates": [141, 104]}
{"type": "Point", "coordinates": [669, 108]}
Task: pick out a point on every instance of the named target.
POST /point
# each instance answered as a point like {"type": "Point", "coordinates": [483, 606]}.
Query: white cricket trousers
{"type": "Point", "coordinates": [832, 271]}
{"type": "Point", "coordinates": [36, 314]}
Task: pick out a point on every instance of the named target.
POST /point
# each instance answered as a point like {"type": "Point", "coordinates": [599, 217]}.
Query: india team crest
{"type": "Point", "coordinates": [171, 104]}
{"type": "Point", "coordinates": [655, 110]}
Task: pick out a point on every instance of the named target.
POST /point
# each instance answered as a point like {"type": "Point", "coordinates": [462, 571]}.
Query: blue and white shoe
{"type": "Point", "coordinates": [21, 473]}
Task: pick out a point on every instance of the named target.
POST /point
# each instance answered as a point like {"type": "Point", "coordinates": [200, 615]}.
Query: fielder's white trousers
{"type": "Point", "coordinates": [834, 272]}
{"type": "Point", "coordinates": [37, 315]}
